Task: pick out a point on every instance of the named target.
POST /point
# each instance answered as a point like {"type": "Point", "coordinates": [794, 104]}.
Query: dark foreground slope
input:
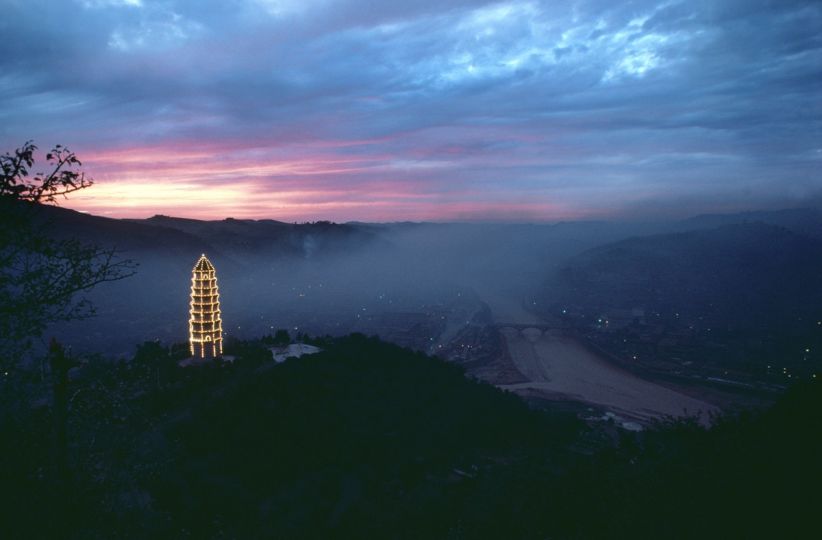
{"type": "Point", "coordinates": [367, 440]}
{"type": "Point", "coordinates": [363, 440]}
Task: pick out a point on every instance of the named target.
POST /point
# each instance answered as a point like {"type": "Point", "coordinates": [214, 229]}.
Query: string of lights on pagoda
{"type": "Point", "coordinates": [205, 325]}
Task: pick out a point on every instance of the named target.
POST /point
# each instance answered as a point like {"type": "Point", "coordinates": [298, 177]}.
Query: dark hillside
{"type": "Point", "coordinates": [744, 275]}
{"type": "Point", "coordinates": [163, 235]}
{"type": "Point", "coordinates": [270, 238]}
{"type": "Point", "coordinates": [367, 440]}
{"type": "Point", "coordinates": [125, 235]}
{"type": "Point", "coordinates": [756, 475]}
{"type": "Point", "coordinates": [805, 221]}
{"type": "Point", "coordinates": [743, 298]}
{"type": "Point", "coordinates": [363, 440]}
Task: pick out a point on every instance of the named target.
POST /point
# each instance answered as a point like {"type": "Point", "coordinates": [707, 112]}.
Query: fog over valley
{"type": "Point", "coordinates": [323, 277]}
{"type": "Point", "coordinates": [515, 304]}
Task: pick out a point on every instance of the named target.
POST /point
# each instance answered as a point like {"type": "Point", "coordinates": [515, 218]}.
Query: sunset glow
{"type": "Point", "coordinates": [512, 111]}
{"type": "Point", "coordinates": [237, 183]}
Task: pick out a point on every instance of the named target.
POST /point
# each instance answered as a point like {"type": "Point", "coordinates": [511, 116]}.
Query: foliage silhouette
{"type": "Point", "coordinates": [368, 440]}
{"type": "Point", "coordinates": [42, 274]}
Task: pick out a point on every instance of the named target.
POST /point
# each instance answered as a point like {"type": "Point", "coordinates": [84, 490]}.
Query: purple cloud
{"type": "Point", "coordinates": [425, 110]}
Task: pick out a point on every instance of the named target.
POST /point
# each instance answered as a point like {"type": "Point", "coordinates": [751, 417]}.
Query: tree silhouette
{"type": "Point", "coordinates": [42, 275]}
{"type": "Point", "coordinates": [61, 180]}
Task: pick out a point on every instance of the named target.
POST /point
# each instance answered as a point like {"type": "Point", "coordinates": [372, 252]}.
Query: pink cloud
{"type": "Point", "coordinates": [336, 180]}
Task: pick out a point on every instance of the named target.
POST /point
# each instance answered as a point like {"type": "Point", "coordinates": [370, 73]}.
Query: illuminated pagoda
{"type": "Point", "coordinates": [205, 327]}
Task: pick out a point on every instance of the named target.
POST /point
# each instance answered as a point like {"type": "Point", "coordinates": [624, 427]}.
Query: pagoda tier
{"type": "Point", "coordinates": [205, 326]}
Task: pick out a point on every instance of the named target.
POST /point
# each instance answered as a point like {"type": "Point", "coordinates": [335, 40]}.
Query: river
{"type": "Point", "coordinates": [559, 366]}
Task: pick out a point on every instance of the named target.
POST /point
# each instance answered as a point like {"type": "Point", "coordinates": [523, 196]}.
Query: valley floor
{"type": "Point", "coordinates": [558, 366]}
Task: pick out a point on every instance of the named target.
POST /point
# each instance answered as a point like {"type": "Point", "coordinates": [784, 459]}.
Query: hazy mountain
{"type": "Point", "coordinates": [744, 274]}
{"type": "Point", "coordinates": [125, 235]}
{"type": "Point", "coordinates": [739, 301]}
{"type": "Point", "coordinates": [230, 237]}
{"type": "Point", "coordinates": [807, 221]}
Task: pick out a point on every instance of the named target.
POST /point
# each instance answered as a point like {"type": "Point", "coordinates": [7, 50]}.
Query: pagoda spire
{"type": "Point", "coordinates": [205, 326]}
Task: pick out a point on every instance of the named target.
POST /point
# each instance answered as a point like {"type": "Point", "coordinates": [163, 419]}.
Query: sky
{"type": "Point", "coordinates": [441, 110]}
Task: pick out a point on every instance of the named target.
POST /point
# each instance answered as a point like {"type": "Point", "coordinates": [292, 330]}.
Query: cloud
{"type": "Point", "coordinates": [564, 108]}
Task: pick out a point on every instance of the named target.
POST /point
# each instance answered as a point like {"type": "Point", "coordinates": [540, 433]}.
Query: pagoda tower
{"type": "Point", "coordinates": [205, 326]}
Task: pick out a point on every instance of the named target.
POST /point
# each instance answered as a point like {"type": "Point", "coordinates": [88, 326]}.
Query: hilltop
{"type": "Point", "coordinates": [368, 440]}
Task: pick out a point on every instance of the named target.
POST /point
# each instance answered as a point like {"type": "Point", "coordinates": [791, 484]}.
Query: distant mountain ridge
{"type": "Point", "coordinates": [142, 233]}
{"type": "Point", "coordinates": [191, 237]}
{"type": "Point", "coordinates": [748, 273]}
{"type": "Point", "coordinates": [807, 221]}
